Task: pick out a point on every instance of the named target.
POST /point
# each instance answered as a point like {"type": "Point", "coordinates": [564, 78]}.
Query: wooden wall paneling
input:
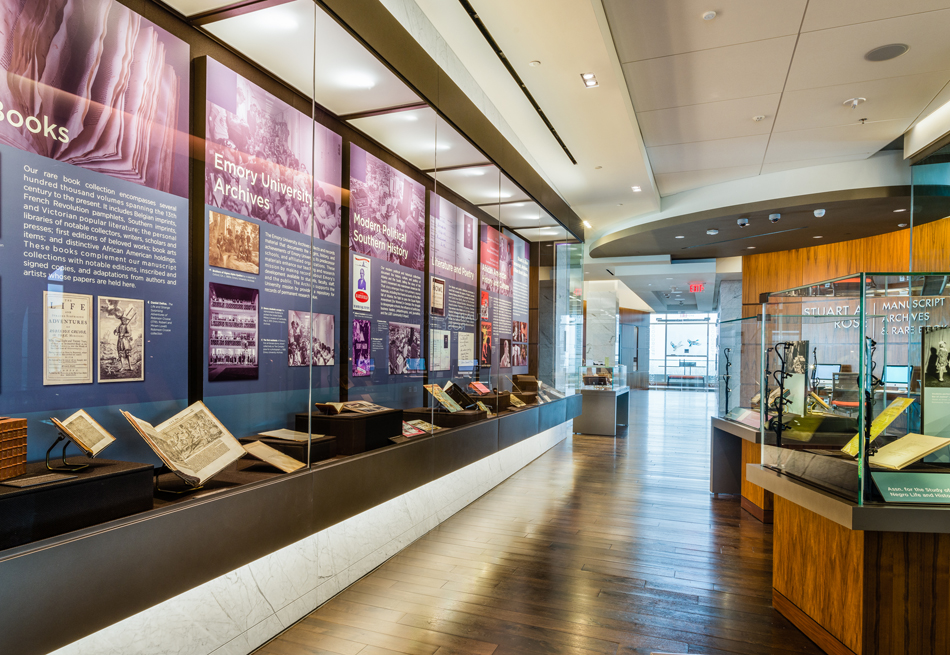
{"type": "Point", "coordinates": [907, 593]}
{"type": "Point", "coordinates": [931, 241]}
{"type": "Point", "coordinates": [770, 272]}
{"type": "Point", "coordinates": [755, 500]}
{"type": "Point", "coordinates": [818, 565]}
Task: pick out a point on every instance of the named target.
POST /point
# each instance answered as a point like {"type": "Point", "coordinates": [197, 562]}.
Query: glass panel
{"type": "Point", "coordinates": [738, 369]}
{"type": "Point", "coordinates": [569, 315]}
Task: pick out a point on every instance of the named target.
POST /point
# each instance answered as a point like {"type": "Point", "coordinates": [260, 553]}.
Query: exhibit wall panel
{"type": "Point", "coordinates": [237, 612]}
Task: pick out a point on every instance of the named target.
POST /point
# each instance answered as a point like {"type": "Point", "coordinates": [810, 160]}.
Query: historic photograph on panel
{"type": "Point", "coordinates": [504, 359]}
{"type": "Point", "coordinates": [298, 338]}
{"type": "Point", "coordinates": [936, 358]}
{"type": "Point", "coordinates": [486, 344]}
{"type": "Point", "coordinates": [233, 332]}
{"type": "Point", "coordinates": [362, 363]}
{"type": "Point", "coordinates": [484, 305]}
{"type": "Point", "coordinates": [519, 354]}
{"type": "Point", "coordinates": [405, 348]}
{"type": "Point", "coordinates": [234, 243]}
{"type": "Point", "coordinates": [121, 340]}
{"type": "Point", "coordinates": [437, 297]}
{"type": "Point", "coordinates": [323, 350]}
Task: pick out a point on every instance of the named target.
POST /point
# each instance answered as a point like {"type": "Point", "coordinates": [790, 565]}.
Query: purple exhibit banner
{"type": "Point", "coordinates": [496, 310]}
{"type": "Point", "coordinates": [453, 302]}
{"type": "Point", "coordinates": [387, 244]}
{"type": "Point", "coordinates": [272, 230]}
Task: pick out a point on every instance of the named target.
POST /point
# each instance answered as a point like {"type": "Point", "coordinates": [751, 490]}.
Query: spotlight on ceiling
{"type": "Point", "coordinates": [712, 233]}
{"type": "Point", "coordinates": [886, 52]}
{"type": "Point", "coordinates": [636, 189]}
{"type": "Point", "coordinates": [743, 222]}
{"type": "Point", "coordinates": [902, 225]}
{"type": "Point", "coordinates": [587, 225]}
{"type": "Point", "coordinates": [759, 118]}
{"type": "Point", "coordinates": [816, 237]}
{"type": "Point", "coordinates": [819, 213]}
{"type": "Point", "coordinates": [750, 247]}
{"type": "Point", "coordinates": [898, 211]}
{"type": "Point", "coordinates": [709, 15]}
{"type": "Point", "coordinates": [590, 81]}
{"type": "Point", "coordinates": [680, 237]}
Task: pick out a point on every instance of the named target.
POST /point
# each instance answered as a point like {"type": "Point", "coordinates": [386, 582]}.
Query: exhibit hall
{"type": "Point", "coordinates": [423, 327]}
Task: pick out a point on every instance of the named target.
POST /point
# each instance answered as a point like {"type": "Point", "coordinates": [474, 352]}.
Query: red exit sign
{"type": "Point", "coordinates": [697, 287]}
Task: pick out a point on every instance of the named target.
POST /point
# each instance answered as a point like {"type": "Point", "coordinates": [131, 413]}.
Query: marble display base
{"type": "Point", "coordinates": [237, 612]}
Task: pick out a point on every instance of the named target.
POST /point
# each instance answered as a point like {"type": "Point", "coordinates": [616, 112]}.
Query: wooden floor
{"type": "Point", "coordinates": [601, 545]}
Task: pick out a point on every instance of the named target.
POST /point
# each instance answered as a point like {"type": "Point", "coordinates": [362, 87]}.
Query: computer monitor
{"type": "Point", "coordinates": [897, 376]}
{"type": "Point", "coordinates": [825, 372]}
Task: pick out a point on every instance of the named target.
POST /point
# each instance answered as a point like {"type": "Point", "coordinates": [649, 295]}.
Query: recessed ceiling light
{"type": "Point", "coordinates": [534, 63]}
{"type": "Point", "coordinates": [898, 211]}
{"type": "Point", "coordinates": [636, 189]}
{"type": "Point", "coordinates": [818, 237]}
{"type": "Point", "coordinates": [587, 225]}
{"type": "Point", "coordinates": [709, 15]}
{"type": "Point", "coordinates": [680, 237]}
{"type": "Point", "coordinates": [750, 248]}
{"type": "Point", "coordinates": [712, 232]}
{"type": "Point", "coordinates": [669, 278]}
{"type": "Point", "coordinates": [588, 76]}
{"type": "Point", "coordinates": [902, 225]}
{"type": "Point", "coordinates": [885, 52]}
{"type": "Point", "coordinates": [597, 168]}
{"type": "Point", "coordinates": [589, 80]}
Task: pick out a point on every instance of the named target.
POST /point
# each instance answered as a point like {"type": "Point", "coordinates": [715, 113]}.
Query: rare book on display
{"type": "Point", "coordinates": [85, 432]}
{"type": "Point", "coordinates": [193, 443]}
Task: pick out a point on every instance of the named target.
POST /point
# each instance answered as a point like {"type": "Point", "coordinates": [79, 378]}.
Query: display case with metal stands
{"type": "Point", "coordinates": [856, 384]}
{"type": "Point", "coordinates": [734, 430]}
{"type": "Point", "coordinates": [738, 373]}
{"type": "Point", "coordinates": [605, 397]}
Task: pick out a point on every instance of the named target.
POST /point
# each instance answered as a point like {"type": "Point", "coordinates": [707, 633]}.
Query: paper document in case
{"type": "Point", "coordinates": [907, 450]}
{"type": "Point", "coordinates": [880, 424]}
{"type": "Point", "coordinates": [85, 432]}
{"type": "Point", "coordinates": [273, 457]}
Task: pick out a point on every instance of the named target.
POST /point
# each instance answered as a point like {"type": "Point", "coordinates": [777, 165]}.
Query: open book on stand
{"type": "Point", "coordinates": [193, 443]}
{"type": "Point", "coordinates": [85, 432]}
{"type": "Point", "coordinates": [358, 406]}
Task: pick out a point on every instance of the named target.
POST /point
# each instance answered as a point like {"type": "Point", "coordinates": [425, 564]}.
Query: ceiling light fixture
{"type": "Point", "coordinates": [819, 213]}
{"type": "Point", "coordinates": [590, 81]}
{"type": "Point", "coordinates": [712, 233]}
{"type": "Point", "coordinates": [636, 189]}
{"type": "Point", "coordinates": [816, 237]}
{"type": "Point", "coordinates": [898, 211]}
{"type": "Point", "coordinates": [709, 15]}
{"type": "Point", "coordinates": [680, 237]}
{"type": "Point", "coordinates": [886, 52]}
{"type": "Point", "coordinates": [750, 248]}
{"type": "Point", "coordinates": [759, 118]}
{"type": "Point", "coordinates": [902, 225]}
{"type": "Point", "coordinates": [587, 225]}
{"type": "Point", "coordinates": [854, 102]}
{"type": "Point", "coordinates": [534, 64]}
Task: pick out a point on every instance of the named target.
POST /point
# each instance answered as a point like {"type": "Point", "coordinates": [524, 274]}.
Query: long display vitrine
{"type": "Point", "coordinates": [854, 443]}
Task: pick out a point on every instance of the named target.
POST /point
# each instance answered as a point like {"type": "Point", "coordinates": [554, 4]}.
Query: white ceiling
{"type": "Point", "coordinates": [480, 185]}
{"type": "Point", "coordinates": [287, 39]}
{"type": "Point", "coordinates": [420, 137]}
{"type": "Point", "coordinates": [696, 84]}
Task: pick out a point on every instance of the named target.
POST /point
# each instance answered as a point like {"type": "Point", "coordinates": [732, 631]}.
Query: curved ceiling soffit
{"type": "Point", "coordinates": [607, 246]}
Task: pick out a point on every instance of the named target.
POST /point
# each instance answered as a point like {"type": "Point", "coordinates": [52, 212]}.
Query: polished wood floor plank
{"type": "Point", "coordinates": [600, 546]}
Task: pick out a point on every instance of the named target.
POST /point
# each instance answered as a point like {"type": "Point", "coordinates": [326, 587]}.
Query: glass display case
{"type": "Point", "coordinates": [602, 377]}
{"type": "Point", "coordinates": [738, 372]}
{"type": "Point", "coordinates": [855, 386]}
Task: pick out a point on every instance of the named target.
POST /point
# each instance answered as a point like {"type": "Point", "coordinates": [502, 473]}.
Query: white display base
{"type": "Point", "coordinates": [237, 612]}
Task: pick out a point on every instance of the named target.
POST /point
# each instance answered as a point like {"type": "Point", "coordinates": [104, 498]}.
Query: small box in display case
{"type": "Point", "coordinates": [12, 447]}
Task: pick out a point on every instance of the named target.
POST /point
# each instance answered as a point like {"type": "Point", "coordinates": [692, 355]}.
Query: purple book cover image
{"type": "Point", "coordinates": [93, 84]}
